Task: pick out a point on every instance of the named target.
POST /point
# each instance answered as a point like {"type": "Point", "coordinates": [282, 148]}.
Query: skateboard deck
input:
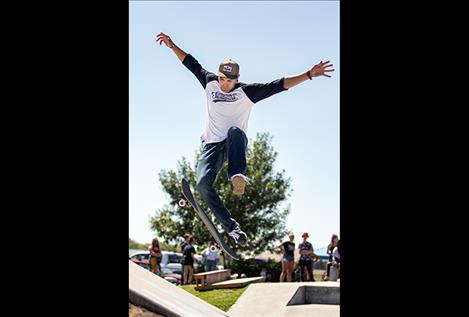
{"type": "Point", "coordinates": [186, 191]}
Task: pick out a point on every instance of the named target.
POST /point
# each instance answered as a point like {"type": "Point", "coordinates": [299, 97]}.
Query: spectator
{"type": "Point", "coordinates": [189, 259]}
{"type": "Point", "coordinates": [185, 242]}
{"type": "Point", "coordinates": [306, 258]}
{"type": "Point", "coordinates": [288, 249]}
{"type": "Point", "coordinates": [334, 274]}
{"type": "Point", "coordinates": [183, 245]}
{"type": "Point", "coordinates": [155, 255]}
{"type": "Point", "coordinates": [211, 257]}
{"type": "Point", "coordinates": [336, 256]}
{"type": "Point", "coordinates": [330, 249]}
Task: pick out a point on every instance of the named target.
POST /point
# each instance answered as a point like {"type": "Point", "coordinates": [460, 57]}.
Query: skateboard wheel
{"type": "Point", "coordinates": [182, 203]}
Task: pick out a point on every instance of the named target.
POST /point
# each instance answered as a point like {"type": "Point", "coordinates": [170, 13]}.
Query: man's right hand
{"type": "Point", "coordinates": [163, 38]}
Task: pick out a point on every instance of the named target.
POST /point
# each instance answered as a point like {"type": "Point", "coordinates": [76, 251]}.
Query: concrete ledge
{"type": "Point", "coordinates": [316, 295]}
{"type": "Point", "coordinates": [240, 282]}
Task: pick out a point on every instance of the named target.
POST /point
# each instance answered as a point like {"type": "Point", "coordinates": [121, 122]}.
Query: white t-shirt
{"type": "Point", "coordinates": [232, 109]}
{"type": "Point", "coordinates": [211, 255]}
{"type": "Point", "coordinates": [335, 253]}
{"type": "Point", "coordinates": [225, 110]}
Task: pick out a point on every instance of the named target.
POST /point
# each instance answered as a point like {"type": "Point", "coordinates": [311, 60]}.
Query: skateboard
{"type": "Point", "coordinates": [191, 202]}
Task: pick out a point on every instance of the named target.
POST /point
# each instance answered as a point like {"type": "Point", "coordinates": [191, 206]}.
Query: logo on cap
{"type": "Point", "coordinates": [229, 69]}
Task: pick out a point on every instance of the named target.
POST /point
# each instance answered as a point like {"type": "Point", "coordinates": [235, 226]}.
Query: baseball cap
{"type": "Point", "coordinates": [229, 69]}
{"type": "Point", "coordinates": [305, 235]}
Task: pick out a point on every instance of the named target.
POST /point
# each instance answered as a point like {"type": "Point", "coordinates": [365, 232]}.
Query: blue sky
{"type": "Point", "coordinates": [269, 39]}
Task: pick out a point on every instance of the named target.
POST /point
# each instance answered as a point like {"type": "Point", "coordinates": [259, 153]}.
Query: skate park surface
{"type": "Point", "coordinates": [319, 299]}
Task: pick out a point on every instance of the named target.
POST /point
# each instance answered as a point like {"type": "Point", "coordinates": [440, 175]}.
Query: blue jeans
{"type": "Point", "coordinates": [210, 265]}
{"type": "Point", "coordinates": [233, 149]}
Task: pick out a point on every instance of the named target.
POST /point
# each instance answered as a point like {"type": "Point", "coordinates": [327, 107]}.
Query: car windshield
{"type": "Point", "coordinates": [174, 258]}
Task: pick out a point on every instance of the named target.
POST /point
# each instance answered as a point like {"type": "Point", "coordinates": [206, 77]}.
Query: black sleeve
{"type": "Point", "coordinates": [202, 75]}
{"type": "Point", "coordinates": [257, 92]}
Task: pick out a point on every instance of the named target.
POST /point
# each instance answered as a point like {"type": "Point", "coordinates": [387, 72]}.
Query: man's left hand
{"type": "Point", "coordinates": [320, 69]}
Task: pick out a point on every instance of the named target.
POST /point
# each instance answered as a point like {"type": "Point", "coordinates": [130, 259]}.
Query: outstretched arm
{"type": "Point", "coordinates": [316, 71]}
{"type": "Point", "coordinates": [163, 38]}
{"type": "Point", "coordinates": [188, 60]}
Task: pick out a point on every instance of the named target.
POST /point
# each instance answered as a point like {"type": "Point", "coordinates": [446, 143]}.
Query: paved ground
{"type": "Point", "coordinates": [270, 299]}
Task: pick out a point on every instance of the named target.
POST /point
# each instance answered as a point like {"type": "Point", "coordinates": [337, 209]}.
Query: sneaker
{"type": "Point", "coordinates": [239, 184]}
{"type": "Point", "coordinates": [238, 235]}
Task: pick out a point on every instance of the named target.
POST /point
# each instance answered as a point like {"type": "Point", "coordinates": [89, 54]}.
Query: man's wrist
{"type": "Point", "coordinates": [309, 75]}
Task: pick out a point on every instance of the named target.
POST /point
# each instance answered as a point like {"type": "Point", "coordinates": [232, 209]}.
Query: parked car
{"type": "Point", "coordinates": [253, 266]}
{"type": "Point", "coordinates": [140, 255]}
{"type": "Point", "coordinates": [141, 258]}
{"type": "Point", "coordinates": [142, 263]}
{"type": "Point", "coordinates": [168, 275]}
{"type": "Point", "coordinates": [170, 259]}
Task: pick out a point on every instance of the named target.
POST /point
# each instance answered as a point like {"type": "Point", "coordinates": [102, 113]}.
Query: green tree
{"type": "Point", "coordinates": [135, 245]}
{"type": "Point", "coordinates": [163, 245]}
{"type": "Point", "coordinates": [259, 211]}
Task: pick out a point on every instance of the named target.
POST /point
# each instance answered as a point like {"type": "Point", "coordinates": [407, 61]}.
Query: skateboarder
{"type": "Point", "coordinates": [229, 105]}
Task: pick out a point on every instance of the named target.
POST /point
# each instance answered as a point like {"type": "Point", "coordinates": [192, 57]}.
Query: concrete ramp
{"type": "Point", "coordinates": [157, 295]}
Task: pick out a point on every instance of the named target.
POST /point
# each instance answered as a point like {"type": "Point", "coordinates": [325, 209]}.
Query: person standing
{"type": "Point", "coordinates": [211, 257]}
{"type": "Point", "coordinates": [306, 258]}
{"type": "Point", "coordinates": [155, 255]}
{"type": "Point", "coordinates": [189, 259]}
{"type": "Point", "coordinates": [288, 249]}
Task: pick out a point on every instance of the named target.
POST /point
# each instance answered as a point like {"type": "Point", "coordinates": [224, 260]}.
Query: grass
{"type": "Point", "coordinates": [222, 298]}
